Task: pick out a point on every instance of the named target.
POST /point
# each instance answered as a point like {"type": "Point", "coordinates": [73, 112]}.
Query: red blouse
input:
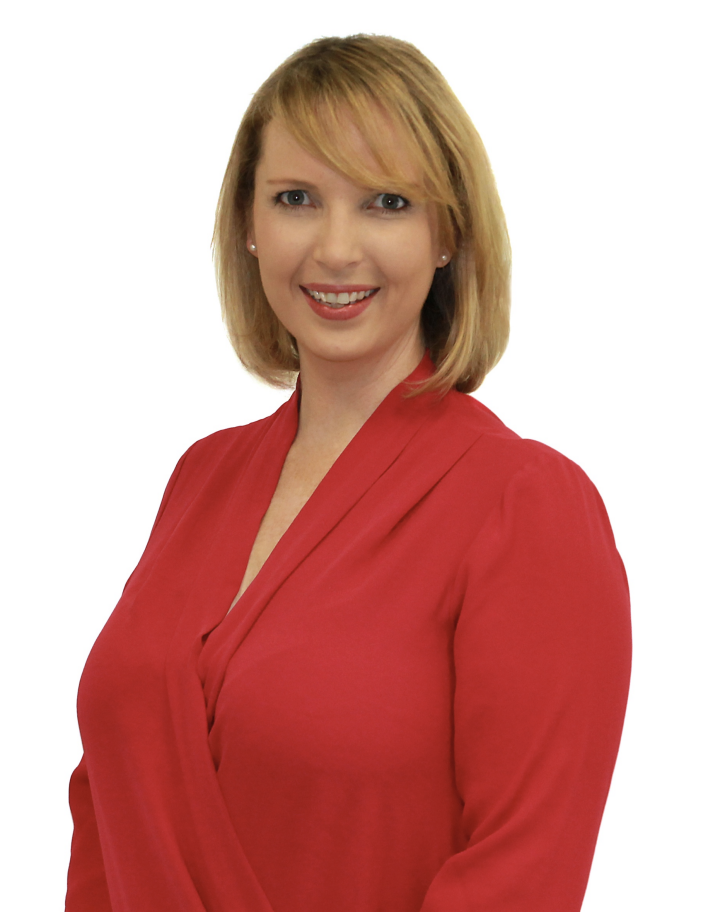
{"type": "Point", "coordinates": [416, 705]}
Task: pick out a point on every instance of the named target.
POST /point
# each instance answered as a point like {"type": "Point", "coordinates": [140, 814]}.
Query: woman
{"type": "Point", "coordinates": [376, 654]}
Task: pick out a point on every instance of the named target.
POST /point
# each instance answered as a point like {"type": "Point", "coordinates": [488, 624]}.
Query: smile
{"type": "Point", "coordinates": [340, 299]}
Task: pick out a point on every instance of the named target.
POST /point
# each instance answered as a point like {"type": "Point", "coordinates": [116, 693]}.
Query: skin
{"type": "Point", "coordinates": [342, 235]}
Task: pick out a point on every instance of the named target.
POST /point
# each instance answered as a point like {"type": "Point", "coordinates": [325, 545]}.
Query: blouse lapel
{"type": "Point", "coordinates": [411, 434]}
{"type": "Point", "coordinates": [208, 840]}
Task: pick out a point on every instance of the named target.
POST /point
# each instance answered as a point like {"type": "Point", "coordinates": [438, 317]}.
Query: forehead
{"type": "Point", "coordinates": [341, 146]}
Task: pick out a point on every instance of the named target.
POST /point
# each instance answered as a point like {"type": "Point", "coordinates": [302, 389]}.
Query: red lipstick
{"type": "Point", "coordinates": [338, 312]}
{"type": "Point", "coordinates": [340, 288]}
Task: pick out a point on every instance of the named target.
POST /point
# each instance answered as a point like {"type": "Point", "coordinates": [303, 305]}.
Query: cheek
{"type": "Point", "coordinates": [280, 244]}
{"type": "Point", "coordinates": [276, 276]}
{"type": "Point", "coordinates": [278, 247]}
{"type": "Point", "coordinates": [409, 259]}
{"type": "Point", "coordinates": [280, 258]}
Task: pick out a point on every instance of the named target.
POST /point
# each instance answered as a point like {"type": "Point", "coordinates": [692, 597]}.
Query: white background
{"type": "Point", "coordinates": [118, 120]}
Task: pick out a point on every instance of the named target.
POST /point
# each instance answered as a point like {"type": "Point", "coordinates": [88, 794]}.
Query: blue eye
{"type": "Point", "coordinates": [391, 201]}
{"type": "Point", "coordinates": [295, 198]}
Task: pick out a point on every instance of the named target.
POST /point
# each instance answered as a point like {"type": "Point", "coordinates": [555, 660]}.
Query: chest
{"type": "Point", "coordinates": [356, 616]}
{"type": "Point", "coordinates": [301, 475]}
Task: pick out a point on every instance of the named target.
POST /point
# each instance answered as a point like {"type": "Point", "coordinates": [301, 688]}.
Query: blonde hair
{"type": "Point", "coordinates": [465, 318]}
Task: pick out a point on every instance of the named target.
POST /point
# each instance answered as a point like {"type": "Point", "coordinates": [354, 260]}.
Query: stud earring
{"type": "Point", "coordinates": [253, 247]}
{"type": "Point", "coordinates": [444, 257]}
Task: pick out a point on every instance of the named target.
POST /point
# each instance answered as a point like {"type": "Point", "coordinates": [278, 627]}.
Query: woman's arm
{"type": "Point", "coordinates": [87, 889]}
{"type": "Point", "coordinates": [542, 654]}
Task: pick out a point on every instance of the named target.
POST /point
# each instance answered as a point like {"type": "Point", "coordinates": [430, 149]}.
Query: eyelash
{"type": "Point", "coordinates": [385, 194]}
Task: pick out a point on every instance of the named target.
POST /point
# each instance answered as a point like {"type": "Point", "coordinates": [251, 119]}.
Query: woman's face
{"type": "Point", "coordinates": [319, 237]}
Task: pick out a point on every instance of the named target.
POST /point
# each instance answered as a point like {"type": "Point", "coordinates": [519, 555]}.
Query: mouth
{"type": "Point", "coordinates": [336, 297]}
{"type": "Point", "coordinates": [338, 302]}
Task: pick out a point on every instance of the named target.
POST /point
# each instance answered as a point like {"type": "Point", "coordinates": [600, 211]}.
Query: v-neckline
{"type": "Point", "coordinates": [423, 369]}
{"type": "Point", "coordinates": [379, 445]}
{"type": "Point", "coordinates": [241, 592]}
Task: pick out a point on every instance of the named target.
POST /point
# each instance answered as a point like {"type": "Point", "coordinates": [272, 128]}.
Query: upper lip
{"type": "Point", "coordinates": [340, 288]}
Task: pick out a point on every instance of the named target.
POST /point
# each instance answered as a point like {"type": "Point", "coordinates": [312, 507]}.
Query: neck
{"type": "Point", "coordinates": [337, 397]}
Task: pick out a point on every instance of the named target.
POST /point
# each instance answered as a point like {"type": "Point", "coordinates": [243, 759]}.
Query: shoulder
{"type": "Point", "coordinates": [500, 447]}
{"type": "Point", "coordinates": [213, 448]}
{"type": "Point", "coordinates": [533, 507]}
{"type": "Point", "coordinates": [518, 475]}
{"type": "Point", "coordinates": [209, 462]}
{"type": "Point", "coordinates": [228, 450]}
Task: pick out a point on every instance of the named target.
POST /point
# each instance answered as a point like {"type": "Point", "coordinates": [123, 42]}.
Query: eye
{"type": "Point", "coordinates": [296, 198]}
{"type": "Point", "coordinates": [388, 201]}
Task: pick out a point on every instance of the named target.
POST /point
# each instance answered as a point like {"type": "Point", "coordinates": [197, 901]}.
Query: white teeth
{"type": "Point", "coordinates": [339, 299]}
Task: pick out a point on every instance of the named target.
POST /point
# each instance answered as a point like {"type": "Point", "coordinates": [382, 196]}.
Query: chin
{"type": "Point", "coordinates": [353, 348]}
{"type": "Point", "coordinates": [336, 351]}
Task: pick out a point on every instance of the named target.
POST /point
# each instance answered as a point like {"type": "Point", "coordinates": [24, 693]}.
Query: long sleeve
{"type": "Point", "coordinates": [416, 704]}
{"type": "Point", "coordinates": [542, 653]}
{"type": "Point", "coordinates": [87, 888]}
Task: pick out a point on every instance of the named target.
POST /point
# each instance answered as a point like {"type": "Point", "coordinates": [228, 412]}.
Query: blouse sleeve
{"type": "Point", "coordinates": [542, 652]}
{"type": "Point", "coordinates": [87, 887]}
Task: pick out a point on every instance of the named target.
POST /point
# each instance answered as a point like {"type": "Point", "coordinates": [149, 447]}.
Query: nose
{"type": "Point", "coordinates": [338, 244]}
